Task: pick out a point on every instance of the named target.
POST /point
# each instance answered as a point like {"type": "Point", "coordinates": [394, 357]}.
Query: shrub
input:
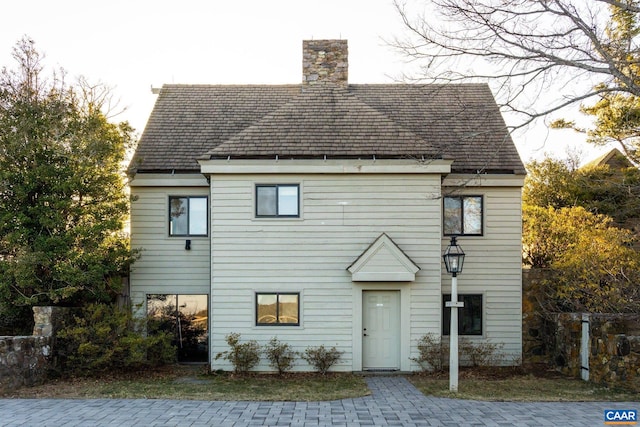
{"type": "Point", "coordinates": [482, 353]}
{"type": "Point", "coordinates": [280, 355]}
{"type": "Point", "coordinates": [243, 356]}
{"type": "Point", "coordinates": [15, 320]}
{"type": "Point", "coordinates": [104, 337]}
{"type": "Point", "coordinates": [431, 353]}
{"type": "Point", "coordinates": [321, 358]}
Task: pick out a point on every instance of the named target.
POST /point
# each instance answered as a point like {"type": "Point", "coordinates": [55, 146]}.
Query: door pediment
{"type": "Point", "coordinates": [383, 261]}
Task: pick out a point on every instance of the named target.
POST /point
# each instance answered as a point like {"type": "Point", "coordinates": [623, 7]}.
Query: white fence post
{"type": "Point", "coordinates": [584, 348]}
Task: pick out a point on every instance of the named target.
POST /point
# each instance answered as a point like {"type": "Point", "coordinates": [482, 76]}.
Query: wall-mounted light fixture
{"type": "Point", "coordinates": [187, 245]}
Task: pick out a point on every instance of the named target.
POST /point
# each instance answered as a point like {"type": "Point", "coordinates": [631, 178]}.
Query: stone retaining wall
{"type": "Point", "coordinates": [26, 361]}
{"type": "Point", "coordinates": [613, 348]}
{"type": "Point", "coordinates": [554, 339]}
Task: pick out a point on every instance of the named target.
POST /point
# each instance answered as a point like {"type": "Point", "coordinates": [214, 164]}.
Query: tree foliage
{"type": "Point", "coordinates": [592, 266]}
{"type": "Point", "coordinates": [571, 227]}
{"type": "Point", "coordinates": [600, 189]}
{"type": "Point", "coordinates": [103, 337]}
{"type": "Point", "coordinates": [549, 182]}
{"type": "Point", "coordinates": [62, 198]}
{"type": "Point", "coordinates": [541, 55]}
{"type": "Point", "coordinates": [617, 119]}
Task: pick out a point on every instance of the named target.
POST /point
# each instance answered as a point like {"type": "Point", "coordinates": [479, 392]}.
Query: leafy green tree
{"type": "Point", "coordinates": [569, 228]}
{"type": "Point", "coordinates": [600, 189]}
{"type": "Point", "coordinates": [549, 182]}
{"type": "Point", "coordinates": [605, 190]}
{"type": "Point", "coordinates": [62, 193]}
{"type": "Point", "coordinates": [592, 266]}
{"type": "Point", "coordinates": [617, 119]}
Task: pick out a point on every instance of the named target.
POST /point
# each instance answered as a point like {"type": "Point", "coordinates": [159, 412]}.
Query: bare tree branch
{"type": "Point", "coordinates": [527, 49]}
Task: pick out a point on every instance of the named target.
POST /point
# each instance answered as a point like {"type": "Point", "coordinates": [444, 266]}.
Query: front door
{"type": "Point", "coordinates": [381, 330]}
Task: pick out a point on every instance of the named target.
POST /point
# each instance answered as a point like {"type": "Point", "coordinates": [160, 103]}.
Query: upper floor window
{"type": "Point", "coordinates": [278, 200]}
{"type": "Point", "coordinates": [188, 215]}
{"type": "Point", "coordinates": [462, 215]}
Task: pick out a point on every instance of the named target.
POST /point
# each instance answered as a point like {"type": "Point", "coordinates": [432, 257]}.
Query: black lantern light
{"type": "Point", "coordinates": [453, 257]}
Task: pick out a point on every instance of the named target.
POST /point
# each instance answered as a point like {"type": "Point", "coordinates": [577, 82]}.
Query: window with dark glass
{"type": "Point", "coordinates": [274, 309]}
{"type": "Point", "coordinates": [277, 200]}
{"type": "Point", "coordinates": [185, 318]}
{"type": "Point", "coordinates": [462, 215]}
{"type": "Point", "coordinates": [188, 216]}
{"type": "Point", "coordinates": [469, 316]}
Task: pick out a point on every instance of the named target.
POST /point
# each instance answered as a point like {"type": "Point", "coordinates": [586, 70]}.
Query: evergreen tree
{"type": "Point", "coordinates": [599, 189]}
{"type": "Point", "coordinates": [62, 191]}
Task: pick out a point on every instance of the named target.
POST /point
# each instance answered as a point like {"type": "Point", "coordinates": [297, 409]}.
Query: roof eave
{"type": "Point", "coordinates": [325, 166]}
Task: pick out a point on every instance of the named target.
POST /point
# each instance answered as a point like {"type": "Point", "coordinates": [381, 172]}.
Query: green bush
{"type": "Point", "coordinates": [243, 356]}
{"type": "Point", "coordinates": [321, 358]}
{"type": "Point", "coordinates": [280, 355]}
{"type": "Point", "coordinates": [432, 352]}
{"type": "Point", "coordinates": [104, 337]}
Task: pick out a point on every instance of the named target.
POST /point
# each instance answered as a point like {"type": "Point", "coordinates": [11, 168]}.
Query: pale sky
{"type": "Point", "coordinates": [132, 45]}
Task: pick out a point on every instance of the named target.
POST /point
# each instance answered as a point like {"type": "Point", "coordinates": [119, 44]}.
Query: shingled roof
{"type": "Point", "coordinates": [457, 122]}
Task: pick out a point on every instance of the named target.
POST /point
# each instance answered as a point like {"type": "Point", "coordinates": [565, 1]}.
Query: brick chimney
{"type": "Point", "coordinates": [325, 61]}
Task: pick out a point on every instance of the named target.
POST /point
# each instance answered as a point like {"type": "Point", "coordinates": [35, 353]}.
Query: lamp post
{"type": "Point", "coordinates": [453, 260]}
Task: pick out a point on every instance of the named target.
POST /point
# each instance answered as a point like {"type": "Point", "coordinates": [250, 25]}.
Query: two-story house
{"type": "Point", "coordinates": [318, 212]}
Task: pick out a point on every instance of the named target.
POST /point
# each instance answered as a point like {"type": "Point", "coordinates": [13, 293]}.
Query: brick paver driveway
{"type": "Point", "coordinates": [394, 401]}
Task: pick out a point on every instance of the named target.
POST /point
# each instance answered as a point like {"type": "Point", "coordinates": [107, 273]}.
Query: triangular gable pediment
{"type": "Point", "coordinates": [383, 261]}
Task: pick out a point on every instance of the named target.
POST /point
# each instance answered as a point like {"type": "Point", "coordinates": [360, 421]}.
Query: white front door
{"type": "Point", "coordinates": [381, 330]}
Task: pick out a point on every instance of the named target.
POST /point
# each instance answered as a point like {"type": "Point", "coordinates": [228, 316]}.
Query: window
{"type": "Point", "coordinates": [278, 200]}
{"type": "Point", "coordinates": [273, 309]}
{"type": "Point", "coordinates": [463, 215]}
{"type": "Point", "coordinates": [187, 216]}
{"type": "Point", "coordinates": [185, 317]}
{"type": "Point", "coordinates": [469, 316]}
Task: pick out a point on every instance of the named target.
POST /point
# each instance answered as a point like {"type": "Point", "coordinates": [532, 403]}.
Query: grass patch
{"type": "Point", "coordinates": [510, 385]}
{"type": "Point", "coordinates": [195, 383]}
{"type": "Point", "coordinates": [184, 382]}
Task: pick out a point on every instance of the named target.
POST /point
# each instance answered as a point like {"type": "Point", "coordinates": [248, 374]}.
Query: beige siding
{"type": "Point", "coordinates": [341, 215]}
{"type": "Point", "coordinates": [165, 267]}
{"type": "Point", "coordinates": [493, 267]}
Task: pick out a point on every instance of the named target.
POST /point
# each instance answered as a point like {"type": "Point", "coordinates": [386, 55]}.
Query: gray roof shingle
{"type": "Point", "coordinates": [459, 122]}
